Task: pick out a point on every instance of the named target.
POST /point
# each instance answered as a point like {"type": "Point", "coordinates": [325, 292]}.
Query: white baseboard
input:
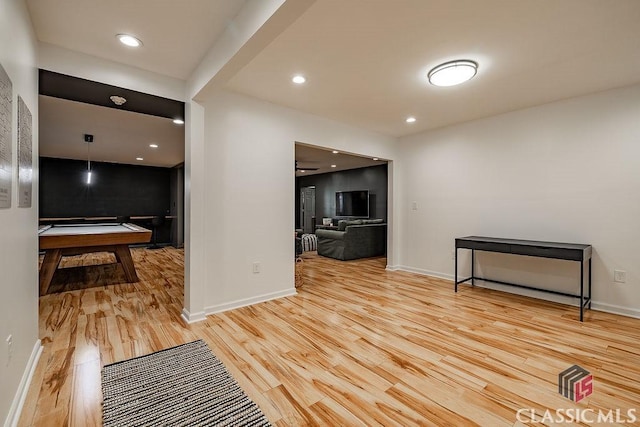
{"type": "Point", "coordinates": [598, 306]}
{"type": "Point", "coordinates": [189, 317]}
{"type": "Point", "coordinates": [23, 388]}
{"type": "Point", "coordinates": [615, 309]}
{"type": "Point", "coordinates": [219, 308]}
{"type": "Point", "coordinates": [424, 272]}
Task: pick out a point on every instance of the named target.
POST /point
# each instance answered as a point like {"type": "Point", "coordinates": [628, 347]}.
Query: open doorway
{"type": "Point", "coordinates": [322, 174]}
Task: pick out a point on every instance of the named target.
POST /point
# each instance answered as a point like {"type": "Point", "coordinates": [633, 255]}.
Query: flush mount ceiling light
{"type": "Point", "coordinates": [153, 145]}
{"type": "Point", "coordinates": [452, 73]}
{"type": "Point", "coordinates": [298, 79]}
{"type": "Point", "coordinates": [139, 158]}
{"type": "Point", "coordinates": [118, 100]}
{"type": "Point", "coordinates": [178, 121]}
{"type": "Point", "coordinates": [375, 159]}
{"type": "Point", "coordinates": [334, 166]}
{"type": "Point", "coordinates": [129, 40]}
{"type": "Point", "coordinates": [335, 152]}
{"type": "Point", "coordinates": [410, 119]}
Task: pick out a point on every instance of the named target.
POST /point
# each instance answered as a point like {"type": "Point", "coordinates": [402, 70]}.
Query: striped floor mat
{"type": "Point", "coordinates": [181, 386]}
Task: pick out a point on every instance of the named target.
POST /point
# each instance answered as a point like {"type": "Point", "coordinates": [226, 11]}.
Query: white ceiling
{"type": "Point", "coordinates": [321, 159]}
{"type": "Point", "coordinates": [119, 136]}
{"type": "Point", "coordinates": [175, 34]}
{"type": "Point", "coordinates": [366, 60]}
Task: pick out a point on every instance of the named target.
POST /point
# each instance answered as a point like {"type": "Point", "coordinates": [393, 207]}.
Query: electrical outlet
{"type": "Point", "coordinates": [256, 267]}
{"type": "Point", "coordinates": [9, 341]}
{"type": "Point", "coordinates": [619, 276]}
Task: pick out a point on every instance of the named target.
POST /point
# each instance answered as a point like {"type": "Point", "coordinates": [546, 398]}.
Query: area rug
{"type": "Point", "coordinates": [181, 386]}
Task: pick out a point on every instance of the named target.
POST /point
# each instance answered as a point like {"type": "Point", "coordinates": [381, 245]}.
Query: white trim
{"type": "Point", "coordinates": [392, 267]}
{"type": "Point", "coordinates": [424, 272]}
{"type": "Point", "coordinates": [597, 306]}
{"type": "Point", "coordinates": [21, 394]}
{"type": "Point", "coordinates": [189, 318]}
{"type": "Point", "coordinates": [616, 309]}
{"type": "Point", "coordinates": [248, 301]}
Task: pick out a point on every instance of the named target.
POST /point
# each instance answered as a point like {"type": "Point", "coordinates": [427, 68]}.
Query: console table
{"type": "Point", "coordinates": [563, 251]}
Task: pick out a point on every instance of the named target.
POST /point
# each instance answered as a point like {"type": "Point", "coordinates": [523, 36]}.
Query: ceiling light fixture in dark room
{"type": "Point", "coordinates": [88, 139]}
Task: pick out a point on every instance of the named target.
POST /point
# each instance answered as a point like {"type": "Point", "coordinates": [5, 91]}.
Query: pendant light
{"type": "Point", "coordinates": [88, 139]}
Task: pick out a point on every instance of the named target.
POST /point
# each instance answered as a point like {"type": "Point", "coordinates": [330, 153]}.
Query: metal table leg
{"type": "Point", "coordinates": [455, 273]}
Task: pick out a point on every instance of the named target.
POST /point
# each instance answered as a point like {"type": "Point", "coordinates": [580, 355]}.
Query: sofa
{"type": "Point", "coordinates": [353, 239]}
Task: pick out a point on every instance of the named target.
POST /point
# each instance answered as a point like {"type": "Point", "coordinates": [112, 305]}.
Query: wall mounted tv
{"type": "Point", "coordinates": [352, 203]}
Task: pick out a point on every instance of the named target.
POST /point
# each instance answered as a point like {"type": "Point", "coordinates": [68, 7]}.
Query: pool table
{"type": "Point", "coordinates": [75, 239]}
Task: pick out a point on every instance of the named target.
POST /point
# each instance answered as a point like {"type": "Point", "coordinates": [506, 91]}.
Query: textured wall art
{"type": "Point", "coordinates": [6, 97]}
{"type": "Point", "coordinates": [25, 167]}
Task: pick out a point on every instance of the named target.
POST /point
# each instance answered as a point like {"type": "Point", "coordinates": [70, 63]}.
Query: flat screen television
{"type": "Point", "coordinates": [352, 203]}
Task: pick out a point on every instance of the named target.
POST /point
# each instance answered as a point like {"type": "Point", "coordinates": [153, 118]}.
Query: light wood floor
{"type": "Point", "coordinates": [358, 345]}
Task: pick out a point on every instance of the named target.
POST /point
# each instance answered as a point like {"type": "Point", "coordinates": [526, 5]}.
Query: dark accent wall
{"type": "Point", "coordinates": [115, 190]}
{"type": "Point", "coordinates": [177, 206]}
{"type": "Point", "coordinates": [372, 178]}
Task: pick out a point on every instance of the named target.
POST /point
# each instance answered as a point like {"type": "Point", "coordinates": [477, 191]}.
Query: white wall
{"type": "Point", "coordinates": [18, 238]}
{"type": "Point", "coordinates": [567, 171]}
{"type": "Point", "coordinates": [249, 195]}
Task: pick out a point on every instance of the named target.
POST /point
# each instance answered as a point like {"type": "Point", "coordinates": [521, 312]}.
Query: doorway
{"type": "Point", "coordinates": [308, 209]}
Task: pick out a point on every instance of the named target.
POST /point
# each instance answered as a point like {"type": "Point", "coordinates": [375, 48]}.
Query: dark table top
{"type": "Point", "coordinates": [536, 243]}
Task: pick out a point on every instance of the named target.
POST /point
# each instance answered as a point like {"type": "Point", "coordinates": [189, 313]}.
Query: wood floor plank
{"type": "Point", "coordinates": [358, 345]}
{"type": "Point", "coordinates": [86, 395]}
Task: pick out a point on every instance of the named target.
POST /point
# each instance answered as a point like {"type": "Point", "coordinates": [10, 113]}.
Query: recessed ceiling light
{"type": "Point", "coordinates": [178, 121]}
{"type": "Point", "coordinates": [452, 73]}
{"type": "Point", "coordinates": [298, 79]}
{"type": "Point", "coordinates": [333, 166]}
{"type": "Point", "coordinates": [129, 40]}
{"type": "Point", "coordinates": [375, 159]}
{"type": "Point", "coordinates": [139, 158]}
{"type": "Point", "coordinates": [335, 151]}
{"type": "Point", "coordinates": [410, 119]}
{"type": "Point", "coordinates": [302, 170]}
{"type": "Point", "coordinates": [153, 145]}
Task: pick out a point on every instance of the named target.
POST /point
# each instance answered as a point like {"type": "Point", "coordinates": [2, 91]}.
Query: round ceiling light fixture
{"type": "Point", "coordinates": [453, 72]}
{"type": "Point", "coordinates": [129, 40]}
{"type": "Point", "coordinates": [178, 121]}
{"type": "Point", "coordinates": [410, 119]}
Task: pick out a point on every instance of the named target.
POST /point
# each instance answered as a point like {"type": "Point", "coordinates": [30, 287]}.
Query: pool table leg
{"type": "Point", "coordinates": [123, 255]}
{"type": "Point", "coordinates": [50, 263]}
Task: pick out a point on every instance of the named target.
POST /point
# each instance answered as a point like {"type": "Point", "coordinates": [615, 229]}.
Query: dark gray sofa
{"type": "Point", "coordinates": [360, 239]}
